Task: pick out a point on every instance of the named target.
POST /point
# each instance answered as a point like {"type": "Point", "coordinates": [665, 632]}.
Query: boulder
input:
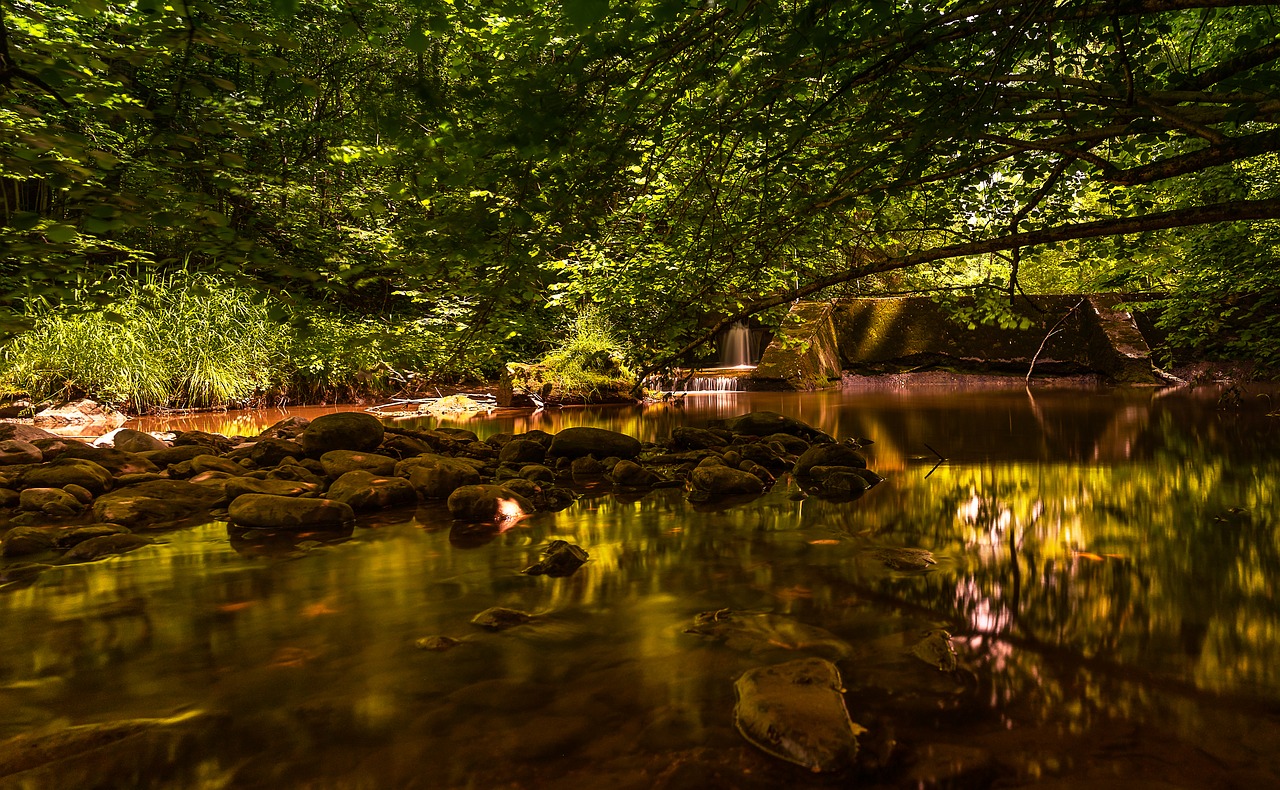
{"type": "Point", "coordinates": [51, 501]}
{"type": "Point", "coordinates": [344, 430]}
{"type": "Point", "coordinates": [401, 446]}
{"type": "Point", "coordinates": [213, 441]}
{"type": "Point", "coordinates": [106, 545]}
{"type": "Point", "coordinates": [288, 428]}
{"type": "Point", "coordinates": [441, 478]}
{"type": "Point", "coordinates": [21, 541]}
{"type": "Point", "coordinates": [238, 486]}
{"type": "Point", "coordinates": [338, 462]}
{"type": "Point", "coordinates": [366, 491]}
{"type": "Point", "coordinates": [487, 503]}
{"type": "Point", "coordinates": [213, 463]}
{"type": "Point", "coordinates": [789, 442]}
{"type": "Point", "coordinates": [175, 455]}
{"type": "Point", "coordinates": [829, 455]}
{"type": "Point", "coordinates": [265, 511]}
{"type": "Point", "coordinates": [295, 473]}
{"type": "Point", "coordinates": [24, 433]}
{"type": "Point", "coordinates": [130, 441]}
{"type": "Point", "coordinates": [586, 467]}
{"type": "Point", "coordinates": [117, 462]}
{"type": "Point", "coordinates": [766, 423]}
{"type": "Point", "coordinates": [405, 468]}
{"type": "Point", "coordinates": [559, 558]}
{"type": "Point", "coordinates": [795, 711]}
{"type": "Point", "coordinates": [537, 473]}
{"type": "Point", "coordinates": [576, 442]}
{"type": "Point", "coordinates": [16, 451]}
{"type": "Point", "coordinates": [632, 475]}
{"type": "Point", "coordinates": [154, 501]}
{"type": "Point", "coordinates": [713, 482]}
{"type": "Point", "coordinates": [838, 481]}
{"type": "Point", "coordinates": [73, 536]}
{"type": "Point", "coordinates": [519, 452]}
{"type": "Point", "coordinates": [67, 471]}
{"type": "Point", "coordinates": [272, 451]}
{"type": "Point", "coordinates": [695, 439]}
{"type": "Point", "coordinates": [9, 497]}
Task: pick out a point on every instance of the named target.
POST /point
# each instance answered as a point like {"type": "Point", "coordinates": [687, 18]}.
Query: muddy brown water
{"type": "Point", "coordinates": [1106, 565]}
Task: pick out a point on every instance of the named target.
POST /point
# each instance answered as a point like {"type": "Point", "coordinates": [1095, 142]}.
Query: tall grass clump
{"type": "Point", "coordinates": [183, 339]}
{"type": "Point", "coordinates": [590, 358]}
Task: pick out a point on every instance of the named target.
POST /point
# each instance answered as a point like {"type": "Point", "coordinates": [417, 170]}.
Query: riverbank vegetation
{"type": "Point", "coordinates": [437, 186]}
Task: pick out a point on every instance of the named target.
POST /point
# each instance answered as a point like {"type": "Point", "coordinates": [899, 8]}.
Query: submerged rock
{"type": "Point", "coordinates": [905, 559]}
{"type": "Point", "coordinates": [840, 454]}
{"type": "Point", "coordinates": [438, 644]}
{"type": "Point", "coordinates": [33, 750]}
{"type": "Point", "coordinates": [106, 545]}
{"type": "Point", "coordinates": [559, 558]}
{"type": "Point", "coordinates": [795, 711]}
{"type": "Point", "coordinates": [21, 541]}
{"type": "Point", "coordinates": [499, 618]}
{"type": "Point", "coordinates": [439, 477]}
{"type": "Point", "coordinates": [936, 650]}
{"type": "Point", "coordinates": [758, 632]}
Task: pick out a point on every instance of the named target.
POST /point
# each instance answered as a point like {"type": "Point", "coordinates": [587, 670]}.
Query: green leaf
{"type": "Point", "coordinates": [285, 7]}
{"type": "Point", "coordinates": [582, 14]}
{"type": "Point", "coordinates": [61, 234]}
{"type": "Point", "coordinates": [416, 41]}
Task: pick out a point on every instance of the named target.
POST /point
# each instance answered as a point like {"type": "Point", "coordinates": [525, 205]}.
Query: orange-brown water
{"type": "Point", "coordinates": [1106, 563]}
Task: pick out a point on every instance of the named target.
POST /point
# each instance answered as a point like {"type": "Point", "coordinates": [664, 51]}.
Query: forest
{"type": "Point", "coordinates": [203, 202]}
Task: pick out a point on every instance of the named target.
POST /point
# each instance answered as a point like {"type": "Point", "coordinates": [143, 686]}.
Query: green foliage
{"type": "Point", "coordinates": [590, 358]}
{"type": "Point", "coordinates": [177, 341]}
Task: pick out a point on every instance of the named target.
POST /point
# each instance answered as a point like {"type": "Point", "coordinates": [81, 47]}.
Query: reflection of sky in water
{"type": "Point", "coordinates": [1080, 594]}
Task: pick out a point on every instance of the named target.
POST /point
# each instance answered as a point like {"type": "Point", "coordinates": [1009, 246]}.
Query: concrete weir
{"type": "Point", "coordinates": [1063, 334]}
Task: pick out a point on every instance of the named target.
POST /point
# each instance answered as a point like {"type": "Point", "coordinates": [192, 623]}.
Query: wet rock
{"type": "Point", "coordinates": [154, 501]}
{"type": "Point", "coordinates": [437, 644]}
{"type": "Point", "coordinates": [366, 491]}
{"type": "Point", "coordinates": [117, 462]}
{"type": "Point", "coordinates": [458, 434]}
{"type": "Point", "coordinates": [272, 452]}
{"type": "Point", "coordinates": [106, 545]}
{"type": "Point", "coordinates": [441, 476]}
{"type": "Point", "coordinates": [756, 470]}
{"type": "Point", "coordinates": [9, 497]}
{"type": "Point", "coordinates": [215, 442]}
{"type": "Point", "coordinates": [537, 473]}
{"type": "Point", "coordinates": [518, 452]}
{"type": "Point", "coordinates": [338, 462]}
{"type": "Point", "coordinates": [22, 572]}
{"type": "Point", "coordinates": [131, 441]}
{"type": "Point", "coordinates": [69, 471]}
{"type": "Point", "coordinates": [347, 430]}
{"type": "Point", "coordinates": [500, 618]}
{"type": "Point", "coordinates": [265, 511]}
{"type": "Point", "coordinates": [789, 442]}
{"type": "Point", "coordinates": [31, 751]}
{"type": "Point", "coordinates": [696, 439]}
{"type": "Point", "coordinates": [22, 541]}
{"type": "Point", "coordinates": [632, 475]}
{"type": "Point", "coordinates": [400, 446]}
{"type": "Point", "coordinates": [24, 433]}
{"type": "Point", "coordinates": [52, 502]}
{"type": "Point", "coordinates": [238, 486]}
{"type": "Point", "coordinates": [766, 423]}
{"type": "Point", "coordinates": [714, 482]}
{"type": "Point", "coordinates": [839, 454]}
{"type": "Point", "coordinates": [838, 481]}
{"type": "Point", "coordinates": [288, 428]}
{"type": "Point", "coordinates": [16, 451]}
{"type": "Point", "coordinates": [212, 463]}
{"type": "Point", "coordinates": [560, 558]}
{"type": "Point", "coordinates": [761, 632]}
{"type": "Point", "coordinates": [795, 711]}
{"type": "Point", "coordinates": [557, 498]}
{"type": "Point", "coordinates": [174, 455]}
{"type": "Point", "coordinates": [82, 494]}
{"type": "Point", "coordinates": [904, 559]}
{"type": "Point", "coordinates": [936, 650]}
{"type": "Point", "coordinates": [575, 442]}
{"type": "Point", "coordinates": [586, 468]}
{"type": "Point", "coordinates": [296, 473]}
{"type": "Point", "coordinates": [73, 536]}
{"type": "Point", "coordinates": [487, 503]}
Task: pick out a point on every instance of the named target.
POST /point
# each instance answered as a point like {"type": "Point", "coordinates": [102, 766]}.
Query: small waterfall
{"type": "Point", "coordinates": [736, 351]}
{"type": "Point", "coordinates": [713, 384]}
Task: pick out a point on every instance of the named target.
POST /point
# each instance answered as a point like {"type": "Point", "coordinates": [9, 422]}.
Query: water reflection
{"type": "Point", "coordinates": [1104, 563]}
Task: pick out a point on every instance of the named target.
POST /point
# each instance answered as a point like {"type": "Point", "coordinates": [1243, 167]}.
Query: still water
{"type": "Point", "coordinates": [1106, 565]}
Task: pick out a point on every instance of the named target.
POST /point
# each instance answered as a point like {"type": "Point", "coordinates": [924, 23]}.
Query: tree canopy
{"type": "Point", "coordinates": [680, 164]}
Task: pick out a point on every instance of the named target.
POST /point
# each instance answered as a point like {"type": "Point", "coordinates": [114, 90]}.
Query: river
{"type": "Point", "coordinates": [1106, 564]}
